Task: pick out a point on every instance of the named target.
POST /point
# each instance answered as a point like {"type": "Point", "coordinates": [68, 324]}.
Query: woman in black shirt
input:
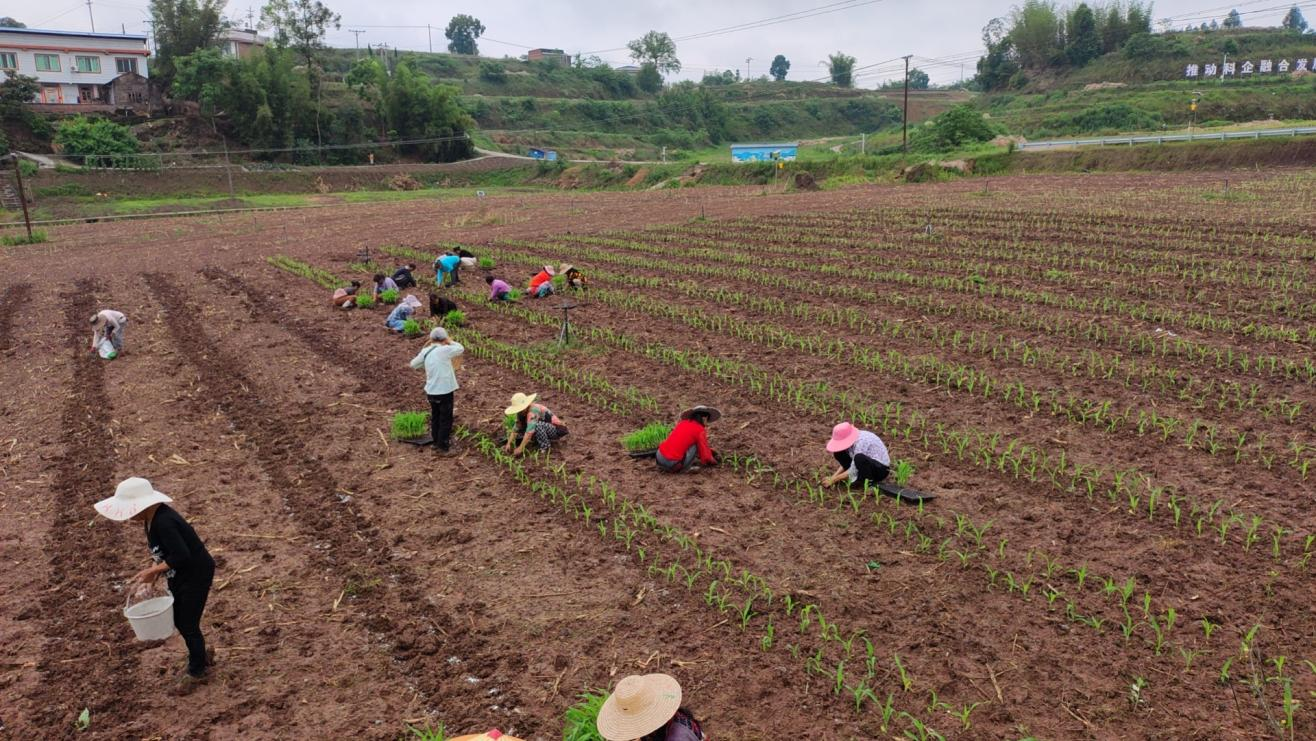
{"type": "Point", "coordinates": [178, 554]}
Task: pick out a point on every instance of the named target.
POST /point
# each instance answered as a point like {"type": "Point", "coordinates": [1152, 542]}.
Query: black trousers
{"type": "Point", "coordinates": [190, 594]}
{"type": "Point", "coordinates": [689, 459]}
{"type": "Point", "coordinates": [441, 419]}
{"type": "Point", "coordinates": [869, 470]}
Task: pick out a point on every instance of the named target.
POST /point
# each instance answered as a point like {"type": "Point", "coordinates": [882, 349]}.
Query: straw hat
{"type": "Point", "coordinates": [493, 735]}
{"type": "Point", "coordinates": [713, 414]}
{"type": "Point", "coordinates": [843, 436]}
{"type": "Point", "coordinates": [520, 403]}
{"type": "Point", "coordinates": [549, 269]}
{"type": "Point", "coordinates": [565, 268]}
{"type": "Point", "coordinates": [131, 497]}
{"type": "Point", "coordinates": [639, 706]}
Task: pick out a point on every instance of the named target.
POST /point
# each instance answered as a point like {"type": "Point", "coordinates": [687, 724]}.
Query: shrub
{"type": "Point", "coordinates": [411, 328]}
{"type": "Point", "coordinates": [28, 168]}
{"type": "Point", "coordinates": [13, 240]}
{"type": "Point", "coordinates": [82, 136]}
{"type": "Point", "coordinates": [955, 128]}
{"type": "Point", "coordinates": [647, 437]}
{"type": "Point", "coordinates": [486, 263]}
{"type": "Point", "coordinates": [365, 302]}
{"type": "Point", "coordinates": [580, 722]}
{"type": "Point", "coordinates": [1109, 118]}
{"type": "Point", "coordinates": [410, 425]}
{"type": "Point", "coordinates": [493, 72]}
{"type": "Point", "coordinates": [516, 294]}
{"type": "Point", "coordinates": [64, 189]}
{"type": "Point", "coordinates": [389, 296]}
{"type": "Point", "coordinates": [454, 318]}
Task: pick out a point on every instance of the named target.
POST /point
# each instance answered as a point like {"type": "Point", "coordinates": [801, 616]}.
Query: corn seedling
{"type": "Point", "coordinates": [365, 302]}
{"type": "Point", "coordinates": [1136, 692]}
{"type": "Point", "coordinates": [411, 328]}
{"type": "Point", "coordinates": [906, 680]}
{"type": "Point", "coordinates": [454, 318]}
{"type": "Point", "coordinates": [428, 732]}
{"type": "Point", "coordinates": [962, 714]}
{"type": "Point", "coordinates": [902, 472]}
{"type": "Point", "coordinates": [486, 263]}
{"type": "Point", "coordinates": [580, 722]}
{"type": "Point", "coordinates": [647, 437]}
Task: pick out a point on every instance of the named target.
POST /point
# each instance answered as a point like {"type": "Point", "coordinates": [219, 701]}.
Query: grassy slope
{"type": "Point", "coordinates": [1158, 87]}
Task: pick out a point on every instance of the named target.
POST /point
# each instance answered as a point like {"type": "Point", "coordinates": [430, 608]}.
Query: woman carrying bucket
{"type": "Point", "coordinates": [178, 554]}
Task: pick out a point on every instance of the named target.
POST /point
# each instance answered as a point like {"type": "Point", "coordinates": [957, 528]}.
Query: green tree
{"type": "Point", "coordinates": [1294, 21]}
{"type": "Point", "coordinates": [418, 109]}
{"type": "Point", "coordinates": [82, 137]}
{"type": "Point", "coordinates": [1037, 34]}
{"type": "Point", "coordinates": [7, 22]}
{"type": "Point", "coordinates": [999, 65]}
{"type": "Point", "coordinates": [1114, 32]}
{"type": "Point", "coordinates": [953, 129]}
{"type": "Point", "coordinates": [1233, 20]}
{"type": "Point", "coordinates": [15, 91]}
{"type": "Point", "coordinates": [648, 78]}
{"type": "Point", "coordinates": [1138, 19]}
{"type": "Point", "coordinates": [918, 79]}
{"type": "Point", "coordinates": [462, 31]}
{"type": "Point", "coordinates": [300, 25]}
{"type": "Point", "coordinates": [658, 49]}
{"type": "Point", "coordinates": [181, 28]}
{"type": "Point", "coordinates": [1082, 44]}
{"type": "Point", "coordinates": [780, 67]}
{"type": "Point", "coordinates": [725, 77]}
{"type": "Point", "coordinates": [841, 67]}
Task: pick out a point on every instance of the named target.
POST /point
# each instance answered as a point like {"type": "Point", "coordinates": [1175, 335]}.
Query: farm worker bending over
{"type": "Point", "coordinates": [403, 276]}
{"type": "Point", "coordinates": [686, 448]}
{"type": "Point", "coordinates": [541, 284]}
{"type": "Point", "coordinates": [440, 383]}
{"type": "Point", "coordinates": [440, 306]}
{"type": "Point", "coordinates": [343, 297]}
{"type": "Point", "coordinates": [575, 279]}
{"type": "Point", "coordinates": [648, 708]}
{"type": "Point", "coordinates": [178, 554]}
{"type": "Point", "coordinates": [108, 323]}
{"type": "Point", "coordinates": [861, 454]}
{"type": "Point", "coordinates": [447, 264]}
{"type": "Point", "coordinates": [498, 289]}
{"type": "Point", "coordinates": [402, 312]}
{"type": "Point", "coordinates": [468, 258]}
{"type": "Point", "coordinates": [382, 283]}
{"type": "Point", "coordinates": [532, 421]}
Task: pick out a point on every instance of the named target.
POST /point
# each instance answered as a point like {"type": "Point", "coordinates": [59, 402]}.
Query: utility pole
{"type": "Point", "coordinates": [357, 35]}
{"type": "Point", "coordinates": [22, 196]}
{"type": "Point", "coordinates": [429, 36]}
{"type": "Point", "coordinates": [91, 16]}
{"type": "Point", "coordinates": [904, 135]}
{"type": "Point", "coordinates": [747, 61]}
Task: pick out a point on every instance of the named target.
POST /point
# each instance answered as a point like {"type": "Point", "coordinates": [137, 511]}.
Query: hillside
{"type": "Point", "coordinates": [1145, 87]}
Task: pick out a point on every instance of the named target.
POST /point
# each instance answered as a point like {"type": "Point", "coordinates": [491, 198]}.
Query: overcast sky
{"type": "Point", "coordinates": [874, 31]}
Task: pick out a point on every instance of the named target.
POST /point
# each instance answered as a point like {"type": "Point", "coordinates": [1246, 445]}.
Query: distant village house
{"type": "Point", "coordinates": [241, 43]}
{"type": "Point", "coordinates": [98, 70]}
{"type": "Point", "coordinates": [552, 56]}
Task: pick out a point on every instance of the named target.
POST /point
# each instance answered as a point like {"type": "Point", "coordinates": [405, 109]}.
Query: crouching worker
{"type": "Point", "coordinates": [862, 456]}
{"type": "Point", "coordinates": [382, 283]}
{"type": "Point", "coordinates": [449, 263]}
{"type": "Point", "coordinates": [401, 313]}
{"type": "Point", "coordinates": [440, 306]}
{"type": "Point", "coordinates": [575, 279]}
{"type": "Point", "coordinates": [345, 297]}
{"type": "Point", "coordinates": [498, 289]}
{"type": "Point", "coordinates": [533, 422]}
{"type": "Point", "coordinates": [541, 284]}
{"type": "Point", "coordinates": [647, 708]}
{"type": "Point", "coordinates": [178, 554]}
{"type": "Point", "coordinates": [686, 448]}
{"type": "Point", "coordinates": [403, 276]}
{"type": "Point", "coordinates": [108, 324]}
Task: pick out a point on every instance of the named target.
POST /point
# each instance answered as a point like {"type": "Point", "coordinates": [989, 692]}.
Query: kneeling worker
{"type": "Point", "coordinates": [862, 456]}
{"type": "Point", "coordinates": [686, 448]}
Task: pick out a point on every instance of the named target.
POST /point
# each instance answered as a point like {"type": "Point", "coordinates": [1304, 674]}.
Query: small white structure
{"type": "Point", "coordinates": [74, 67]}
{"type": "Point", "coordinates": [240, 43]}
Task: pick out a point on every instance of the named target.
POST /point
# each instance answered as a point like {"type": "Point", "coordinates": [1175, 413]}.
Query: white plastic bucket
{"type": "Point", "coordinates": [152, 619]}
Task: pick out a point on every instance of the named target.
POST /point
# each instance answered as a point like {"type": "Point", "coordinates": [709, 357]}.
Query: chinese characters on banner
{"type": "Point", "coordinates": [1263, 67]}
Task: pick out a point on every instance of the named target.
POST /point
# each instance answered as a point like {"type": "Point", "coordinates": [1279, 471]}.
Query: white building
{"type": "Point", "coordinates": [241, 43]}
{"type": "Point", "coordinates": [76, 67]}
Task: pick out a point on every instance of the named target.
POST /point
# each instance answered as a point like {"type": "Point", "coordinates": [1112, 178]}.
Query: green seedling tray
{"type": "Point", "coordinates": [642, 453]}
{"type": "Point", "coordinates": [418, 441]}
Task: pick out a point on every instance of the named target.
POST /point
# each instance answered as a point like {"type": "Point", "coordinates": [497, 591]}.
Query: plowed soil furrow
{"type": "Point", "coordinates": [14, 297]}
{"type": "Point", "coordinates": [393, 606]}
{"type": "Point", "coordinates": [89, 653]}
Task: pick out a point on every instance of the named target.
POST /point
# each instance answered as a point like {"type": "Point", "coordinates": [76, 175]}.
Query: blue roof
{"type": "Point", "coordinates": [84, 34]}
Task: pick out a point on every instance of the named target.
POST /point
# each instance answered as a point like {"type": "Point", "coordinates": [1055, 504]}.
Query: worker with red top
{"type": "Point", "coordinates": [686, 448]}
{"type": "Point", "coordinates": [541, 284]}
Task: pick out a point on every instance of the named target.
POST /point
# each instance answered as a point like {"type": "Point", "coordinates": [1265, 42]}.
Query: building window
{"type": "Point", "coordinates": [8, 60]}
{"type": "Point", "coordinates": [88, 64]}
{"type": "Point", "coordinates": [47, 62]}
{"type": "Point", "coordinates": [125, 64]}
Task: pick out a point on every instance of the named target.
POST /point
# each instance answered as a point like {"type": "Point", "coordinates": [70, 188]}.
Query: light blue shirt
{"type": "Point", "coordinates": [440, 378]}
{"type": "Point", "coordinates": [447, 263]}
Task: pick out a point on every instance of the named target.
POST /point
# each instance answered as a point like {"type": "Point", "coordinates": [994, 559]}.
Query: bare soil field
{"type": "Point", "coordinates": [1106, 380]}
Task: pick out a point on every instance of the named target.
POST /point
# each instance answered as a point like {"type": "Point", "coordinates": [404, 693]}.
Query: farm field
{"type": "Point", "coordinates": [1107, 380]}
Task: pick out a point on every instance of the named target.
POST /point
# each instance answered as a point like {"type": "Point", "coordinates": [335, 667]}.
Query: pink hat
{"type": "Point", "coordinates": [843, 436]}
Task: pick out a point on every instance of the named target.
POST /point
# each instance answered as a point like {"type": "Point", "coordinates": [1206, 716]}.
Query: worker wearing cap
{"type": "Point", "coordinates": [436, 358]}
{"type": "Point", "coordinates": [178, 554]}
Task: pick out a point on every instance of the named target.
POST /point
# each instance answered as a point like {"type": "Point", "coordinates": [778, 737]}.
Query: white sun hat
{"type": "Point", "coordinates": [131, 497]}
{"type": "Point", "coordinates": [639, 706]}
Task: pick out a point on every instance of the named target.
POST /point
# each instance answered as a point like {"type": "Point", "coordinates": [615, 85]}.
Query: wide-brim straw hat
{"type": "Point", "coordinates": [494, 735]}
{"type": "Point", "coordinates": [565, 268]}
{"type": "Point", "coordinates": [520, 403]}
{"type": "Point", "coordinates": [713, 414]}
{"type": "Point", "coordinates": [640, 705]}
{"type": "Point", "coordinates": [130, 498]}
{"type": "Point", "coordinates": [843, 436]}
